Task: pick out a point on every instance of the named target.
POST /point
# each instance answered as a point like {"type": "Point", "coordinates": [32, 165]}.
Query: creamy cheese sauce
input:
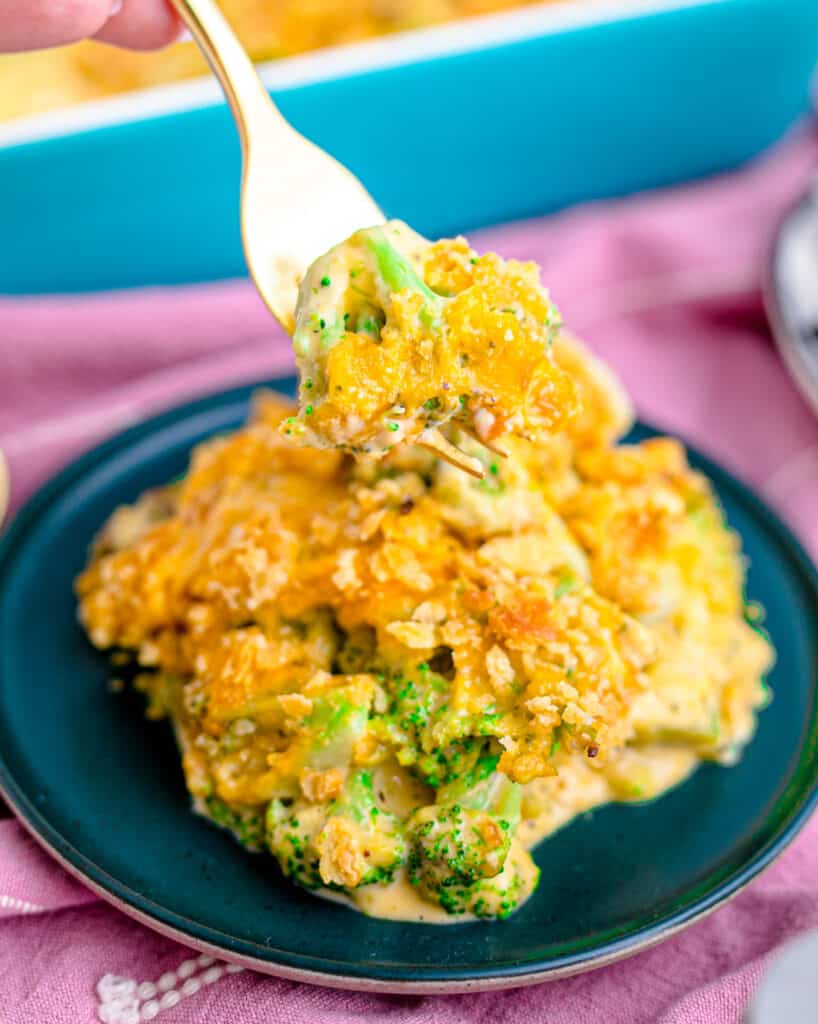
{"type": "Point", "coordinates": [397, 901]}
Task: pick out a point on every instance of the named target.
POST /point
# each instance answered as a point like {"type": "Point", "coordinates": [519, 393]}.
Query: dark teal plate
{"type": "Point", "coordinates": [101, 788]}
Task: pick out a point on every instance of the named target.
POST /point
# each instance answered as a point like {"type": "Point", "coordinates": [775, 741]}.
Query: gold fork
{"type": "Point", "coordinates": [296, 200]}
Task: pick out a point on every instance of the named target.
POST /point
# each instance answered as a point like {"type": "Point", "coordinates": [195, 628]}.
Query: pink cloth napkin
{"type": "Point", "coordinates": [666, 287]}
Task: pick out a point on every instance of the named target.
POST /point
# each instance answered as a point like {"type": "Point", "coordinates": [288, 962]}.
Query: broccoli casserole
{"type": "Point", "coordinates": [396, 678]}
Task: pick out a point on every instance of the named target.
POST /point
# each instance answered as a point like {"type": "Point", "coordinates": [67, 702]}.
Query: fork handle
{"type": "Point", "coordinates": [232, 66]}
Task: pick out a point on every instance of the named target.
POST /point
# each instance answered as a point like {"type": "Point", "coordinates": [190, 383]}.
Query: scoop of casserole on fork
{"type": "Point", "coordinates": [397, 339]}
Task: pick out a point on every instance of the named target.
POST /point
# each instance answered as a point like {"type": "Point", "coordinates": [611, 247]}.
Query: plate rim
{"type": "Point", "coordinates": [363, 977]}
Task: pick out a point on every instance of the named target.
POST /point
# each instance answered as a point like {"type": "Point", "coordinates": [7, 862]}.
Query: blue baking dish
{"type": "Point", "coordinates": [450, 129]}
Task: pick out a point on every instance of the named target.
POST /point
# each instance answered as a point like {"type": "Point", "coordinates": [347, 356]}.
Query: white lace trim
{"type": "Point", "coordinates": [21, 906]}
{"type": "Point", "coordinates": [126, 1001]}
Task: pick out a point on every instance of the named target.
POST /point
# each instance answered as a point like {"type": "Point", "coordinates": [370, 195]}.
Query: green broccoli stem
{"type": "Point", "coordinates": [357, 799]}
{"type": "Point", "coordinates": [395, 270]}
{"type": "Point", "coordinates": [495, 794]}
{"type": "Point", "coordinates": [337, 724]}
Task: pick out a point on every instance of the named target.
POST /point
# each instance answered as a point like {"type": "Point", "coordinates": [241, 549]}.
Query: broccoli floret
{"type": "Point", "coordinates": [496, 897]}
{"type": "Point", "coordinates": [335, 835]}
{"type": "Point", "coordinates": [438, 743]}
{"type": "Point", "coordinates": [417, 702]}
{"type": "Point", "coordinates": [246, 824]}
{"type": "Point", "coordinates": [291, 829]}
{"type": "Point", "coordinates": [326, 737]}
{"type": "Point", "coordinates": [467, 832]}
{"type": "Point", "coordinates": [462, 850]}
{"type": "Point", "coordinates": [342, 844]}
{"type": "Point", "coordinates": [456, 841]}
{"type": "Point", "coordinates": [336, 722]}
